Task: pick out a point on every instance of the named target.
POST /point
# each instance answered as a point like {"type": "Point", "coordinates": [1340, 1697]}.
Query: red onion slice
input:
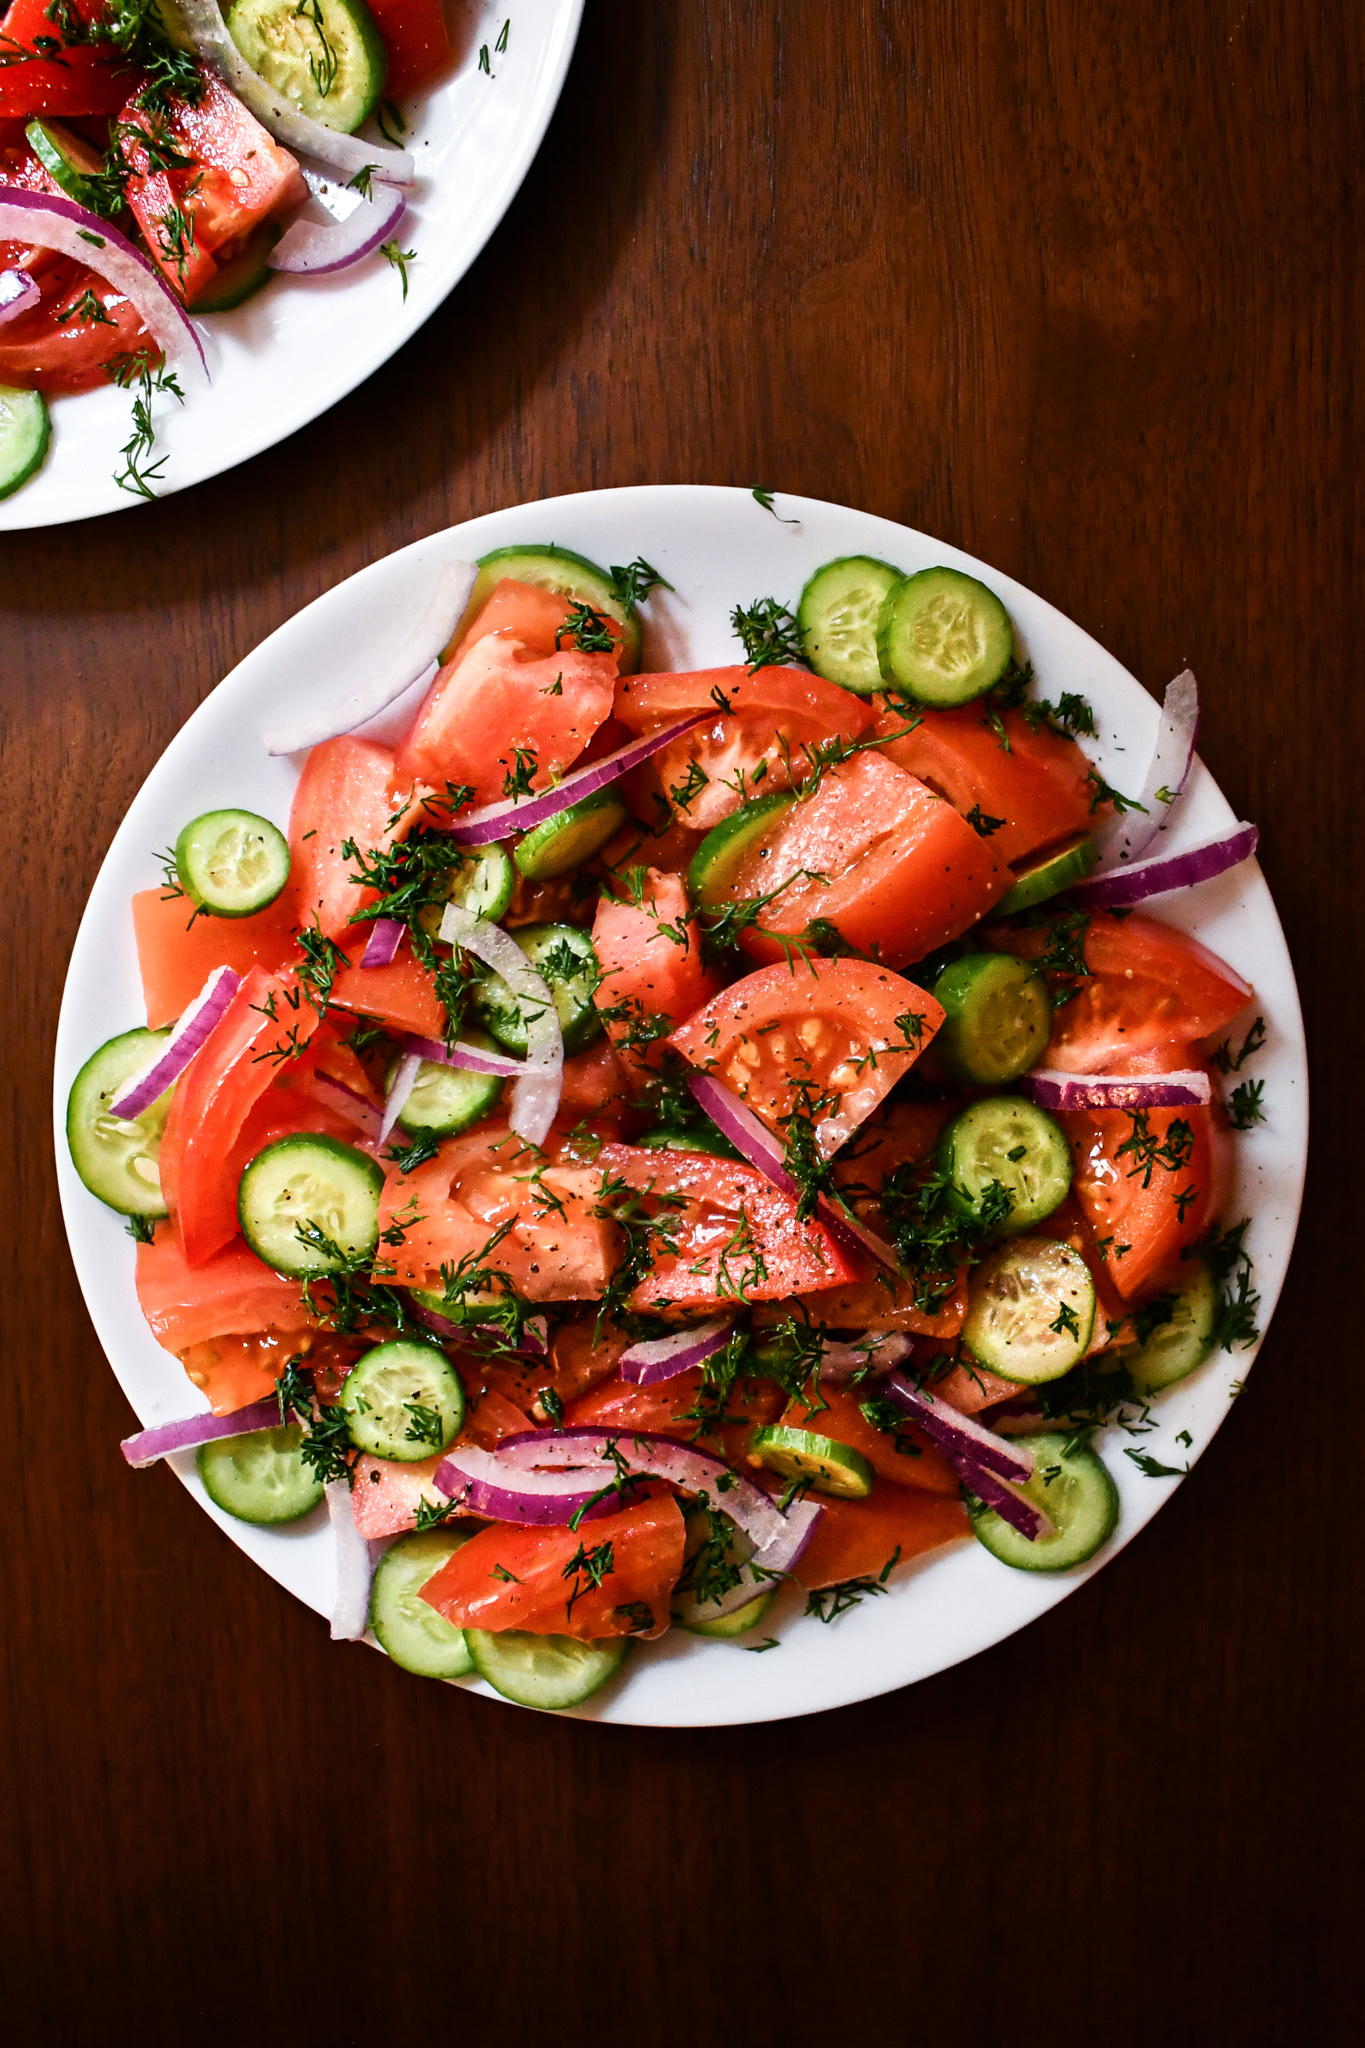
{"type": "Point", "coordinates": [1124, 837]}
{"type": "Point", "coordinates": [334, 1094]}
{"type": "Point", "coordinates": [50, 222]}
{"type": "Point", "coordinates": [316, 248]}
{"type": "Point", "coordinates": [495, 821]}
{"type": "Point", "coordinates": [875, 1353]}
{"type": "Point", "coordinates": [488, 1485]}
{"type": "Point", "coordinates": [661, 1457]}
{"type": "Point", "coordinates": [400, 1088]}
{"type": "Point", "coordinates": [775, 1560]}
{"type": "Point", "coordinates": [409, 658]}
{"type": "Point", "coordinates": [386, 936]}
{"type": "Point", "coordinates": [197, 1025]}
{"type": "Point", "coordinates": [753, 1140]}
{"type": "Point", "coordinates": [192, 1430]}
{"type": "Point", "coordinates": [1022, 1515]}
{"type": "Point", "coordinates": [663, 1358]}
{"type": "Point", "coordinates": [1050, 1088]}
{"type": "Point", "coordinates": [535, 1098]}
{"type": "Point", "coordinates": [206, 34]}
{"type": "Point", "coordinates": [473, 1058]}
{"type": "Point", "coordinates": [960, 1434]}
{"type": "Point", "coordinates": [355, 1566]}
{"type": "Point", "coordinates": [19, 293]}
{"type": "Point", "coordinates": [1160, 873]}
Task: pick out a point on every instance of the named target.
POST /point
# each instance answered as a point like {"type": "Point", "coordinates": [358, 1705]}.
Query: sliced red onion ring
{"type": "Point", "coordinates": [877, 1352]}
{"type": "Point", "coordinates": [192, 1430]}
{"type": "Point", "coordinates": [473, 1058]}
{"type": "Point", "coordinates": [1050, 1088]}
{"type": "Point", "coordinates": [661, 1457]}
{"type": "Point", "coordinates": [1162, 872]}
{"type": "Point", "coordinates": [540, 1081]}
{"type": "Point", "coordinates": [316, 248]}
{"type": "Point", "coordinates": [198, 1024]}
{"type": "Point", "coordinates": [1022, 1515]}
{"type": "Point", "coordinates": [1124, 837]}
{"type": "Point", "coordinates": [406, 661]}
{"type": "Point", "coordinates": [534, 1335]}
{"type": "Point", "coordinates": [488, 1485]}
{"type": "Point", "coordinates": [206, 34]}
{"type": "Point", "coordinates": [775, 1560]}
{"type": "Point", "coordinates": [50, 222]}
{"type": "Point", "coordinates": [386, 936]}
{"type": "Point", "coordinates": [357, 1109]}
{"type": "Point", "coordinates": [663, 1358]}
{"type": "Point", "coordinates": [400, 1088]}
{"type": "Point", "coordinates": [355, 1566]}
{"type": "Point", "coordinates": [961, 1435]}
{"type": "Point", "coordinates": [495, 821]}
{"type": "Point", "coordinates": [753, 1140]}
{"type": "Point", "coordinates": [19, 293]}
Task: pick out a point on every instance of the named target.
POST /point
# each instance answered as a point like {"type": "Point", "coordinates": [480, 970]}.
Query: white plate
{"type": "Point", "coordinates": [719, 549]}
{"type": "Point", "coordinates": [299, 346]}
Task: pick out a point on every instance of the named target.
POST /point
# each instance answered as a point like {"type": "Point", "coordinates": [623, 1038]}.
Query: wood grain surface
{"type": "Point", "coordinates": [1076, 286]}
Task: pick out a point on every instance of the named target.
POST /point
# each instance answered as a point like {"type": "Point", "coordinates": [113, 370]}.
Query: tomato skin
{"type": "Point", "coordinates": [770, 707]}
{"type": "Point", "coordinates": [831, 1024]}
{"type": "Point", "coordinates": [775, 1257]}
{"type": "Point", "coordinates": [176, 957]}
{"type": "Point", "coordinates": [970, 1392]}
{"type": "Point", "coordinates": [39, 351]}
{"type": "Point", "coordinates": [843, 1419]}
{"type": "Point", "coordinates": [647, 1556]}
{"type": "Point", "coordinates": [1115, 1206]}
{"type": "Point", "coordinates": [416, 38]}
{"type": "Point", "coordinates": [233, 1294]}
{"type": "Point", "coordinates": [347, 791]}
{"type": "Point", "coordinates": [402, 995]}
{"type": "Point", "coordinates": [645, 971]}
{"type": "Point", "coordinates": [874, 1299]}
{"type": "Point", "coordinates": [668, 1408]}
{"type": "Point", "coordinates": [1041, 787]}
{"type": "Point", "coordinates": [855, 1539]}
{"type": "Point", "coordinates": [84, 79]}
{"type": "Point", "coordinates": [904, 872]}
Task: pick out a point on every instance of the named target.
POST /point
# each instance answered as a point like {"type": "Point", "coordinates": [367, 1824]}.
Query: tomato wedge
{"type": "Point", "coordinates": [79, 78]}
{"type": "Point", "coordinates": [55, 346]}
{"type": "Point", "coordinates": [402, 995]}
{"type": "Point", "coordinates": [856, 1539]}
{"type": "Point", "coordinates": [821, 1040]}
{"type": "Point", "coordinates": [232, 1294]}
{"type": "Point", "coordinates": [416, 38]}
{"type": "Point", "coordinates": [677, 1408]}
{"type": "Point", "coordinates": [1039, 789]}
{"type": "Point", "coordinates": [347, 792]}
{"type": "Point", "coordinates": [649, 951]}
{"type": "Point", "coordinates": [509, 1577]}
{"type": "Point", "coordinates": [1145, 1184]}
{"type": "Point", "coordinates": [176, 957]}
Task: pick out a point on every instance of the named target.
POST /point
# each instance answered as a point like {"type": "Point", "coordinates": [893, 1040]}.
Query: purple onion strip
{"type": "Point", "coordinates": [355, 1108]}
{"type": "Point", "coordinates": [400, 1088]}
{"type": "Point", "coordinates": [960, 1435]}
{"type": "Point", "coordinates": [1160, 873]}
{"type": "Point", "coordinates": [488, 1485]}
{"type": "Point", "coordinates": [473, 1059]}
{"type": "Point", "coordinates": [1053, 1089]}
{"type": "Point", "coordinates": [19, 293]}
{"type": "Point", "coordinates": [663, 1457]}
{"type": "Point", "coordinates": [197, 1025]}
{"type": "Point", "coordinates": [495, 821]}
{"type": "Point", "coordinates": [1132, 832]}
{"type": "Point", "coordinates": [386, 936]}
{"type": "Point", "coordinates": [317, 248]}
{"type": "Point", "coordinates": [192, 1430]}
{"type": "Point", "coordinates": [50, 222]}
{"type": "Point", "coordinates": [664, 1358]}
{"type": "Point", "coordinates": [1030, 1521]}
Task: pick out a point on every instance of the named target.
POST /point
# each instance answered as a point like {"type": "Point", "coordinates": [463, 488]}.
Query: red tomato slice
{"type": "Point", "coordinates": [83, 79]}
{"type": "Point", "coordinates": [724, 1233]}
{"type": "Point", "coordinates": [176, 957]}
{"type": "Point", "coordinates": [595, 1086]}
{"type": "Point", "coordinates": [508, 1577]}
{"type": "Point", "coordinates": [402, 995]}
{"type": "Point", "coordinates": [827, 1038]}
{"type": "Point", "coordinates": [649, 952]}
{"type": "Point", "coordinates": [558, 1248]}
{"type": "Point", "coordinates": [347, 791]}
{"type": "Point", "coordinates": [1151, 992]}
{"type": "Point", "coordinates": [1041, 788]}
{"type": "Point", "coordinates": [670, 1408]}
{"type": "Point", "coordinates": [842, 1418]}
{"type": "Point", "coordinates": [874, 1299]}
{"type": "Point", "coordinates": [745, 750]}
{"type": "Point", "coordinates": [856, 1539]}
{"type": "Point", "coordinates": [899, 872]}
{"type": "Point", "coordinates": [971, 1391]}
{"type": "Point", "coordinates": [41, 350]}
{"type": "Point", "coordinates": [1142, 1212]}
{"type": "Point", "coordinates": [416, 38]}
{"type": "Point", "coordinates": [233, 1294]}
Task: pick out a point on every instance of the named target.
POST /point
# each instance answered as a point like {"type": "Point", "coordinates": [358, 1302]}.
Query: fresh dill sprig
{"type": "Point", "coordinates": [634, 581]}
{"type": "Point", "coordinates": [138, 372]}
{"type": "Point", "coordinates": [400, 258]}
{"type": "Point", "coordinates": [769, 634]}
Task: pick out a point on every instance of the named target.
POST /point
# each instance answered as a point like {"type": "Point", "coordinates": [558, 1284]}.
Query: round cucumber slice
{"type": "Point", "coordinates": [308, 1204]}
{"type": "Point", "coordinates": [1074, 1489]}
{"type": "Point", "coordinates": [838, 615]}
{"type": "Point", "coordinates": [943, 637]}
{"type": "Point", "coordinates": [241, 275]}
{"type": "Point", "coordinates": [997, 1019]}
{"type": "Point", "coordinates": [668, 1139]}
{"type": "Point", "coordinates": [325, 56]}
{"type": "Point", "coordinates": [1061, 869]}
{"type": "Point", "coordinates": [414, 1634]}
{"type": "Point", "coordinates": [831, 1467]}
{"type": "Point", "coordinates": [1031, 1310]}
{"type": "Point", "coordinates": [444, 1099]}
{"type": "Point", "coordinates": [25, 436]}
{"type": "Point", "coordinates": [550, 1672]}
{"type": "Point", "coordinates": [1181, 1340]}
{"type": "Point", "coordinates": [1007, 1140]}
{"type": "Point", "coordinates": [563, 956]}
{"type": "Point", "coordinates": [570, 839]}
{"type": "Point", "coordinates": [481, 882]}
{"type": "Point", "coordinates": [403, 1401]}
{"type": "Point", "coordinates": [231, 863]}
{"type": "Point", "coordinates": [717, 860]}
{"type": "Point", "coordinates": [568, 575]}
{"type": "Point", "coordinates": [261, 1477]}
{"type": "Point", "coordinates": [737, 1623]}
{"type": "Point", "coordinates": [117, 1157]}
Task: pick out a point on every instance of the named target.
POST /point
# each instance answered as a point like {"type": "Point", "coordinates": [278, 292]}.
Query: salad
{"type": "Point", "coordinates": [157, 158]}
{"type": "Point", "coordinates": [643, 1142]}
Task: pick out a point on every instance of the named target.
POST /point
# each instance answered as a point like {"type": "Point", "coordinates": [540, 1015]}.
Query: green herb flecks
{"type": "Point", "coordinates": [769, 634]}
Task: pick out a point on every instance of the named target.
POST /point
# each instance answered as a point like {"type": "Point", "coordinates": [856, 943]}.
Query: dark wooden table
{"type": "Point", "coordinates": [1075, 286]}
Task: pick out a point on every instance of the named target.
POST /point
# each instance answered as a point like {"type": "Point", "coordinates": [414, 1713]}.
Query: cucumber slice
{"type": "Point", "coordinates": [1061, 869]}
{"type": "Point", "coordinates": [403, 1400]}
{"type": "Point", "coordinates": [69, 161]}
{"type": "Point", "coordinates": [469, 1308]}
{"type": "Point", "coordinates": [318, 1186]}
{"type": "Point", "coordinates": [564, 957]}
{"type": "Point", "coordinates": [549, 1672]}
{"type": "Point", "coordinates": [838, 615]}
{"type": "Point", "coordinates": [239, 276]}
{"type": "Point", "coordinates": [1031, 1311]}
{"type": "Point", "coordinates": [1011, 1141]}
{"type": "Point", "coordinates": [1180, 1343]}
{"type": "Point", "coordinates": [481, 882]}
{"type": "Point", "coordinates": [444, 1099]}
{"type": "Point", "coordinates": [117, 1156]}
{"type": "Point", "coordinates": [1074, 1489]}
{"type": "Point", "coordinates": [261, 1477]}
{"type": "Point", "coordinates": [415, 1635]}
{"type": "Point", "coordinates": [831, 1467]}
{"type": "Point", "coordinates": [231, 863]}
{"type": "Point", "coordinates": [570, 839]}
{"type": "Point", "coordinates": [717, 860]}
{"type": "Point", "coordinates": [737, 1622]}
{"type": "Point", "coordinates": [568, 575]}
{"type": "Point", "coordinates": [25, 435]}
{"type": "Point", "coordinates": [997, 1021]}
{"type": "Point", "coordinates": [943, 637]}
{"type": "Point", "coordinates": [325, 56]}
{"type": "Point", "coordinates": [668, 1139]}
